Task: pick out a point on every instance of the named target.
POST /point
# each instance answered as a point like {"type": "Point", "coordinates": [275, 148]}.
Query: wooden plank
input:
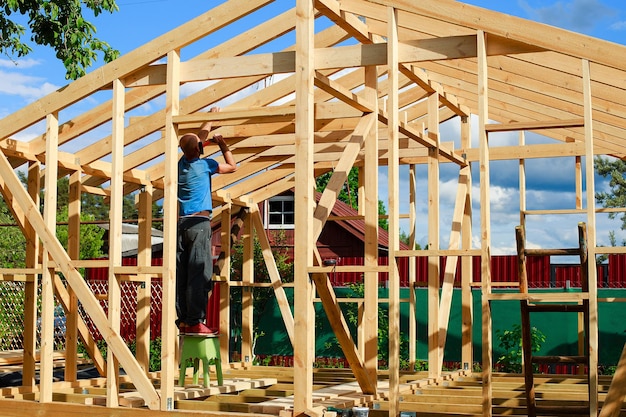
{"type": "Point", "coordinates": [538, 125]}
{"type": "Point", "coordinates": [33, 249]}
{"type": "Point", "coordinates": [115, 237]}
{"type": "Point", "coordinates": [144, 290]}
{"type": "Point", "coordinates": [253, 115]}
{"type": "Point", "coordinates": [467, 309]}
{"type": "Point", "coordinates": [394, 208]}
{"type": "Point", "coordinates": [47, 286]}
{"type": "Point", "coordinates": [170, 213]}
{"type": "Point", "coordinates": [304, 201]}
{"type": "Point", "coordinates": [435, 352]}
{"type": "Point", "coordinates": [227, 240]}
{"type": "Point", "coordinates": [73, 249]}
{"type": "Point", "coordinates": [485, 221]}
{"type": "Point", "coordinates": [592, 273]}
{"type": "Point", "coordinates": [247, 277]}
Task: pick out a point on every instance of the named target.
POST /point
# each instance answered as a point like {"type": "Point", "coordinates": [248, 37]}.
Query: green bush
{"type": "Point", "coordinates": [511, 342]}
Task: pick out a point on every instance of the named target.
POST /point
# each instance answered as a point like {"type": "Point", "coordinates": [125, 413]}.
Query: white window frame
{"type": "Point", "coordinates": [283, 226]}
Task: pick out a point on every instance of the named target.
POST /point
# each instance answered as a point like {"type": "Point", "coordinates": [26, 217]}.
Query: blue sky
{"type": "Point", "coordinates": [550, 182]}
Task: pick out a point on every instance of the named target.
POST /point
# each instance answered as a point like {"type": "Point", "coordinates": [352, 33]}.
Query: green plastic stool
{"type": "Point", "coordinates": [200, 348]}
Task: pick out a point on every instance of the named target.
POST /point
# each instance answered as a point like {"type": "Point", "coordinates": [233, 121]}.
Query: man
{"type": "Point", "coordinates": [194, 261]}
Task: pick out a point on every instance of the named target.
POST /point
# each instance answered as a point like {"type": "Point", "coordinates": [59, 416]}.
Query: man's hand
{"type": "Point", "coordinates": [219, 140]}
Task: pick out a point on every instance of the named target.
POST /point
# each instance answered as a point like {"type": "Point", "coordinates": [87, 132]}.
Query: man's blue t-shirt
{"type": "Point", "coordinates": [194, 185]}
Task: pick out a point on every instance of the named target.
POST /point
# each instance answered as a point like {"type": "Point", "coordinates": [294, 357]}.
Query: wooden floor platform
{"type": "Point", "coordinates": [268, 391]}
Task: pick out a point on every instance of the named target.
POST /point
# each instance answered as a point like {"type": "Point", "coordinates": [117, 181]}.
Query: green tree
{"type": "Point", "coordinates": [91, 236]}
{"type": "Point", "coordinates": [615, 170]}
{"type": "Point", "coordinates": [349, 193]}
{"type": "Point", "coordinates": [13, 243]}
{"type": "Point", "coordinates": [60, 25]}
{"type": "Point", "coordinates": [12, 240]}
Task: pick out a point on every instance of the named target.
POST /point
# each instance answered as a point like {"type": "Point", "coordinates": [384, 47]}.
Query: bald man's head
{"type": "Point", "coordinates": [189, 145]}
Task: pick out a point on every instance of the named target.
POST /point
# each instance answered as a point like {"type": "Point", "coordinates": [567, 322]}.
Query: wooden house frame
{"type": "Point", "coordinates": [450, 60]}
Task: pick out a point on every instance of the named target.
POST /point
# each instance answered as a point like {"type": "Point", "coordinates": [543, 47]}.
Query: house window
{"type": "Point", "coordinates": [280, 213]}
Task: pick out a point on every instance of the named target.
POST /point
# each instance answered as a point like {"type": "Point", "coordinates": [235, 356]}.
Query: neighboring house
{"type": "Point", "coordinates": [130, 240]}
{"type": "Point", "coordinates": [339, 238]}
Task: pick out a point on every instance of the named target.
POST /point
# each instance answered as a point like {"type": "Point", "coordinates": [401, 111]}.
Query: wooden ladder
{"type": "Point", "coordinates": [569, 302]}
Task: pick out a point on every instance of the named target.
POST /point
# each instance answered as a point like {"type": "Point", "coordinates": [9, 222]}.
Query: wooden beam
{"type": "Point", "coordinates": [47, 286]}
{"type": "Point", "coordinates": [394, 209]}
{"type": "Point", "coordinates": [304, 201]}
{"type": "Point", "coordinates": [538, 125]}
{"type": "Point", "coordinates": [368, 205]}
{"type": "Point", "coordinates": [485, 221]}
{"type": "Point", "coordinates": [435, 352]}
{"type": "Point", "coordinates": [592, 272]}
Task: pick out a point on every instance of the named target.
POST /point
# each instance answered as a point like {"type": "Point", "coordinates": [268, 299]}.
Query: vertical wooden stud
{"type": "Point", "coordinates": [394, 210]}
{"type": "Point", "coordinates": [591, 242]}
{"type": "Point", "coordinates": [170, 203]}
{"type": "Point", "coordinates": [412, 268]}
{"type": "Point", "coordinates": [435, 353]}
{"type": "Point", "coordinates": [115, 236]}
{"type": "Point", "coordinates": [369, 347]}
{"type": "Point", "coordinates": [305, 202]}
{"type": "Point", "coordinates": [485, 222]}
{"type": "Point", "coordinates": [144, 289]}
{"type": "Point", "coordinates": [247, 296]}
{"type": "Point", "coordinates": [224, 286]}
{"type": "Point", "coordinates": [73, 250]}
{"type": "Point", "coordinates": [467, 309]}
{"type": "Point", "coordinates": [30, 297]}
{"type": "Point", "coordinates": [47, 287]}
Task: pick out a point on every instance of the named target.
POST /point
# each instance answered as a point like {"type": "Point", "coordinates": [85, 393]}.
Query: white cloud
{"type": "Point", "coordinates": [25, 86]}
{"type": "Point", "coordinates": [621, 25]}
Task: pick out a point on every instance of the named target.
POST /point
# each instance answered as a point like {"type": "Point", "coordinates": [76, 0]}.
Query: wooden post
{"type": "Point", "coordinates": [144, 290]}
{"type": "Point", "coordinates": [412, 269]}
{"type": "Point", "coordinates": [30, 297]}
{"type": "Point", "coordinates": [115, 237]}
{"type": "Point", "coordinates": [247, 297]}
{"type": "Point", "coordinates": [591, 242]}
{"type": "Point", "coordinates": [170, 209]}
{"type": "Point", "coordinates": [224, 271]}
{"type": "Point", "coordinates": [485, 222]}
{"type": "Point", "coordinates": [467, 309]}
{"type": "Point", "coordinates": [73, 250]}
{"type": "Point", "coordinates": [304, 201]}
{"type": "Point", "coordinates": [47, 288]}
{"type": "Point", "coordinates": [435, 352]}
{"type": "Point", "coordinates": [394, 210]}
{"type": "Point", "coordinates": [370, 190]}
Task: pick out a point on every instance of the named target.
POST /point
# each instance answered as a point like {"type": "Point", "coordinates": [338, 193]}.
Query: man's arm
{"type": "Point", "coordinates": [229, 165]}
{"type": "Point", "coordinates": [205, 128]}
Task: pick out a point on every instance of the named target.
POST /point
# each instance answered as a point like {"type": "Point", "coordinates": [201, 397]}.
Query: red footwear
{"type": "Point", "coordinates": [199, 328]}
